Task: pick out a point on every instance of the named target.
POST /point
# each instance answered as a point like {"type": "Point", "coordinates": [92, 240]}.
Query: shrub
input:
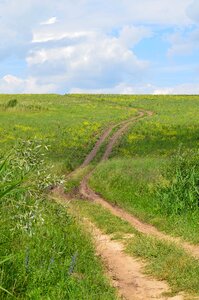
{"type": "Point", "coordinates": [11, 103]}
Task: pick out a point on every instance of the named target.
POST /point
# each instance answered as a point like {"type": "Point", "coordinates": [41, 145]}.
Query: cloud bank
{"type": "Point", "coordinates": [99, 46]}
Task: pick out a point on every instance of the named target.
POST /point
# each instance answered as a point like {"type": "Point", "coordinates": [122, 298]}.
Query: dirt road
{"type": "Point", "coordinates": [125, 271]}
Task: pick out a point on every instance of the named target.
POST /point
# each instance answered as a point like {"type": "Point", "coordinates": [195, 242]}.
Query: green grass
{"type": "Point", "coordinates": [70, 124]}
{"type": "Point", "coordinates": [131, 184]}
{"type": "Point", "coordinates": [167, 262]}
{"type": "Point", "coordinates": [58, 261]}
{"type": "Point", "coordinates": [163, 260]}
{"type": "Point", "coordinates": [109, 223]}
{"type": "Point", "coordinates": [129, 179]}
{"type": "Point", "coordinates": [175, 122]}
{"type": "Point", "coordinates": [72, 182]}
{"type": "Point", "coordinates": [44, 252]}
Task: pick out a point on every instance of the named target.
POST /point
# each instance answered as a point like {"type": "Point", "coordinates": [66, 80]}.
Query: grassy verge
{"type": "Point", "coordinates": [131, 185]}
{"type": "Point", "coordinates": [167, 262]}
{"type": "Point", "coordinates": [163, 260]}
{"type": "Point", "coordinates": [44, 252]}
{"type": "Point", "coordinates": [58, 261]}
{"type": "Point", "coordinates": [72, 182]}
{"type": "Point", "coordinates": [109, 223]}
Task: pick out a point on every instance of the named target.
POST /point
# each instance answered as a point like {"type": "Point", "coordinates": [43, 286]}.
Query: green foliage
{"type": "Point", "coordinates": [128, 183]}
{"type": "Point", "coordinates": [178, 191]}
{"type": "Point", "coordinates": [35, 230]}
{"type": "Point", "coordinates": [133, 184]}
{"type": "Point", "coordinates": [11, 103]}
{"type": "Point", "coordinates": [44, 254]}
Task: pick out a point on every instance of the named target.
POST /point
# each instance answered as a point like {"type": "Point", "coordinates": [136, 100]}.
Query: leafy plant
{"type": "Point", "coordinates": [42, 249]}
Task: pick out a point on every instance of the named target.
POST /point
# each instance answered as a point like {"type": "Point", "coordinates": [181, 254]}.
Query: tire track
{"type": "Point", "coordinates": [142, 227]}
{"type": "Point", "coordinates": [124, 270]}
{"type": "Point", "coordinates": [105, 135]}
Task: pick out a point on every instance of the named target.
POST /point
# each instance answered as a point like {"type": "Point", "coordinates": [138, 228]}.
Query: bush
{"type": "Point", "coordinates": [11, 103]}
{"type": "Point", "coordinates": [178, 190]}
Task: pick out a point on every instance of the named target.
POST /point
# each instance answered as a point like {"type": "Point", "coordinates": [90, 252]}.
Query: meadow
{"type": "Point", "coordinates": [44, 252]}
{"type": "Point", "coordinates": [153, 173]}
{"type": "Point", "coordinates": [136, 173]}
{"type": "Point", "coordinates": [70, 125]}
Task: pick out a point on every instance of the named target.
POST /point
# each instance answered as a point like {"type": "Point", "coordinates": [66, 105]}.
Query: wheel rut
{"type": "Point", "coordinates": [124, 270]}
{"type": "Point", "coordinates": [142, 227]}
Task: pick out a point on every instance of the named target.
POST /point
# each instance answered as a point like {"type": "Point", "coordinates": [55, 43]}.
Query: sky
{"type": "Point", "coordinates": [99, 46]}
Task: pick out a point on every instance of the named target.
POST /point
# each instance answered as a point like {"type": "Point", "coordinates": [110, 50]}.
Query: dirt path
{"type": "Point", "coordinates": [126, 272]}
{"type": "Point", "coordinates": [147, 229]}
{"type": "Point", "coordinates": [105, 135]}
{"type": "Point", "coordinates": [135, 222]}
{"type": "Point", "coordinates": [91, 155]}
{"type": "Point", "coordinates": [115, 138]}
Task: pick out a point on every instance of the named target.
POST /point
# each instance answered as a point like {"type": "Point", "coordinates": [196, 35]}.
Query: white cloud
{"type": "Point", "coordinates": [50, 21]}
{"type": "Point", "coordinates": [132, 35]}
{"type": "Point", "coordinates": [122, 89]}
{"type": "Point", "coordinates": [13, 84]}
{"type": "Point", "coordinates": [43, 36]}
{"type": "Point", "coordinates": [183, 43]}
{"type": "Point", "coordinates": [87, 43]}
{"type": "Point", "coordinates": [183, 89]}
{"type": "Point", "coordinates": [85, 15]}
{"type": "Point", "coordinates": [167, 12]}
{"type": "Point", "coordinates": [127, 89]}
{"type": "Point", "coordinates": [95, 60]}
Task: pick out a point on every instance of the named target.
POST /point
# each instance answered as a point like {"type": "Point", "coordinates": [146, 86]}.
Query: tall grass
{"type": "Point", "coordinates": [178, 192]}
{"type": "Point", "coordinates": [44, 254]}
{"type": "Point", "coordinates": [163, 193]}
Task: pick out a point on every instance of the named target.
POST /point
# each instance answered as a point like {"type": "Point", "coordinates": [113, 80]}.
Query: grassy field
{"type": "Point", "coordinates": [70, 125]}
{"type": "Point", "coordinates": [153, 173]}
{"type": "Point", "coordinates": [131, 178]}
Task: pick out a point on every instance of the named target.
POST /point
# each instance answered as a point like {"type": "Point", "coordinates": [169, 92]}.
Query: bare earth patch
{"type": "Point", "coordinates": [126, 271]}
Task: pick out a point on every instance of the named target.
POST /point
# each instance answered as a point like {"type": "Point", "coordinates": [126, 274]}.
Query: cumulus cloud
{"type": "Point", "coordinates": [132, 35]}
{"type": "Point", "coordinates": [122, 88]}
{"type": "Point", "coordinates": [89, 44]}
{"type": "Point", "coordinates": [96, 60]}
{"type": "Point", "coordinates": [183, 89]}
{"type": "Point", "coordinates": [13, 84]}
{"type": "Point", "coordinates": [20, 18]}
{"type": "Point", "coordinates": [128, 89]}
{"type": "Point", "coordinates": [183, 42]}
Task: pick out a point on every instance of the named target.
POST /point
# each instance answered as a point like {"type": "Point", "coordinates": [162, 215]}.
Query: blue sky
{"type": "Point", "coordinates": [99, 46]}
